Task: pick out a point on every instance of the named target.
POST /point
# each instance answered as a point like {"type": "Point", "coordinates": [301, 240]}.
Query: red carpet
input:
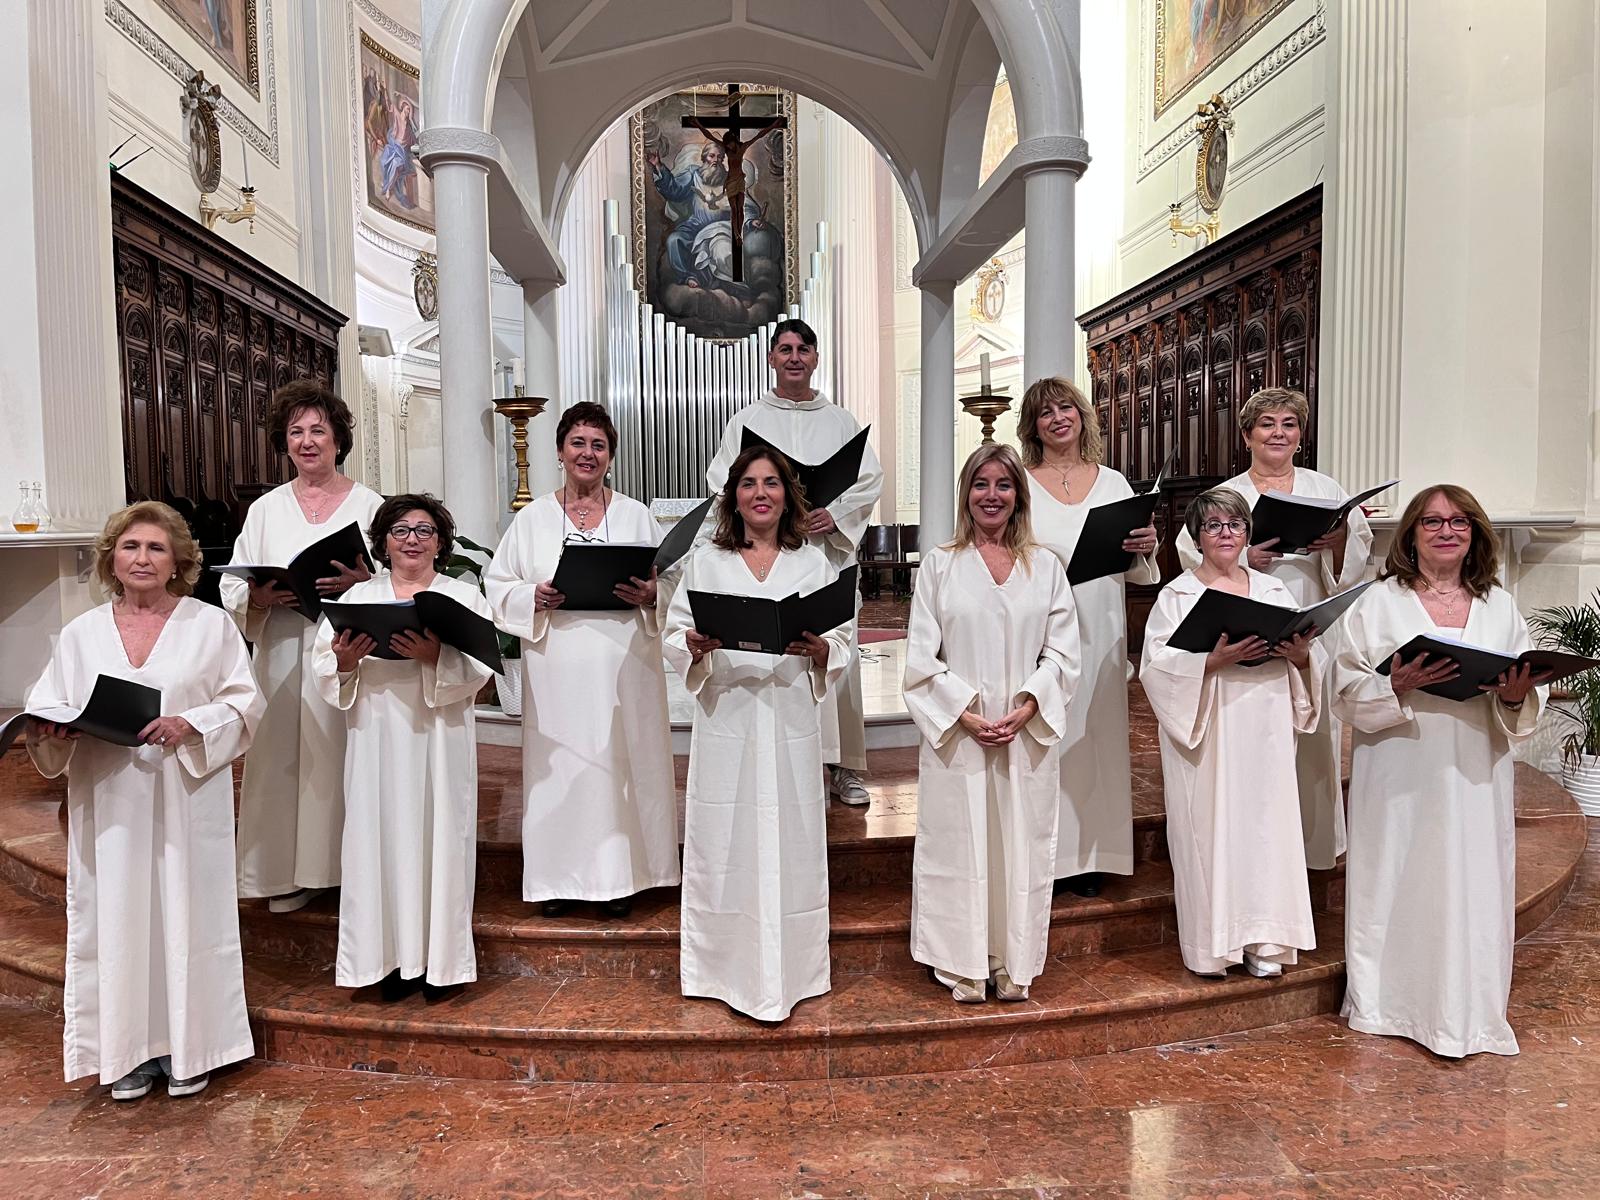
{"type": "Point", "coordinates": [867, 636]}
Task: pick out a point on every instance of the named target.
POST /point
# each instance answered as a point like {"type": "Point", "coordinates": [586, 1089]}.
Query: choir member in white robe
{"type": "Point", "coordinates": [755, 846]}
{"type": "Point", "coordinates": [411, 769]}
{"type": "Point", "coordinates": [1430, 878]}
{"type": "Point", "coordinates": [1061, 448]}
{"type": "Point", "coordinates": [804, 423]}
{"type": "Point", "coordinates": [600, 807]}
{"type": "Point", "coordinates": [1227, 760]}
{"type": "Point", "coordinates": [1273, 421]}
{"type": "Point", "coordinates": [291, 805]}
{"type": "Point", "coordinates": [154, 974]}
{"type": "Point", "coordinates": [991, 658]}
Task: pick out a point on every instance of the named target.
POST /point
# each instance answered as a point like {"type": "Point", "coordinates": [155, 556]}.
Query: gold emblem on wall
{"type": "Point", "coordinates": [205, 137]}
{"type": "Point", "coordinates": [425, 286]}
{"type": "Point", "coordinates": [989, 295]}
{"type": "Point", "coordinates": [1213, 122]}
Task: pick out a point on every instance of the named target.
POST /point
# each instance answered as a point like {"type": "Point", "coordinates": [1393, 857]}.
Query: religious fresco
{"type": "Point", "coordinates": [684, 244]}
{"type": "Point", "coordinates": [1192, 36]}
{"type": "Point", "coordinates": [228, 29]}
{"type": "Point", "coordinates": [391, 122]}
{"type": "Point", "coordinates": [1000, 132]}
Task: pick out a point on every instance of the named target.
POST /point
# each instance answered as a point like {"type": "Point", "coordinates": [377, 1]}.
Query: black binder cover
{"type": "Point", "coordinates": [680, 539]}
{"type": "Point", "coordinates": [452, 622]}
{"type": "Point", "coordinates": [1477, 666]}
{"type": "Point", "coordinates": [766, 626]}
{"type": "Point", "coordinates": [117, 712]}
{"type": "Point", "coordinates": [1099, 550]}
{"type": "Point", "coordinates": [1218, 612]}
{"type": "Point", "coordinates": [311, 564]}
{"type": "Point", "coordinates": [1297, 521]}
{"type": "Point", "coordinates": [587, 572]}
{"type": "Point", "coordinates": [823, 482]}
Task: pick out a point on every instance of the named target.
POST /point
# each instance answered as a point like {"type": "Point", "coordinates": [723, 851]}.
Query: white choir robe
{"type": "Point", "coordinates": [1430, 879]}
{"type": "Point", "coordinates": [291, 804]}
{"type": "Point", "coordinates": [1096, 821]}
{"type": "Point", "coordinates": [812, 431]}
{"type": "Point", "coordinates": [1310, 578]}
{"type": "Point", "coordinates": [986, 817]}
{"type": "Point", "coordinates": [755, 842]}
{"type": "Point", "coordinates": [410, 849]}
{"type": "Point", "coordinates": [600, 805]}
{"type": "Point", "coordinates": [153, 960]}
{"type": "Point", "coordinates": [1228, 768]}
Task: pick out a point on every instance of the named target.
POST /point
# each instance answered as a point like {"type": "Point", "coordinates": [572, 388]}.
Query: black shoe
{"type": "Point", "coordinates": [1086, 885]}
{"type": "Point", "coordinates": [617, 908]}
{"type": "Point", "coordinates": [391, 987]}
{"type": "Point", "coordinates": [555, 908]}
{"type": "Point", "coordinates": [437, 994]}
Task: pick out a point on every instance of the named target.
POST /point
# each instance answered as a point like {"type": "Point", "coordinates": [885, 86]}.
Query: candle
{"type": "Point", "coordinates": [244, 152]}
{"type": "Point", "coordinates": [983, 369]}
{"type": "Point", "coordinates": [517, 379]}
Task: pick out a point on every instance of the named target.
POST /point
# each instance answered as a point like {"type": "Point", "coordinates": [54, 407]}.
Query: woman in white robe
{"type": "Point", "coordinates": [755, 846]}
{"type": "Point", "coordinates": [1227, 760]}
{"type": "Point", "coordinates": [1061, 448]}
{"type": "Point", "coordinates": [410, 848]}
{"type": "Point", "coordinates": [600, 807]}
{"type": "Point", "coordinates": [1430, 878]}
{"type": "Point", "coordinates": [291, 804]}
{"type": "Point", "coordinates": [1273, 422]}
{"type": "Point", "coordinates": [154, 974]}
{"type": "Point", "coordinates": [991, 658]}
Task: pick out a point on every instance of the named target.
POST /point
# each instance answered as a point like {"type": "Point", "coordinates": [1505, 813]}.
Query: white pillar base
{"type": "Point", "coordinates": [938, 451]}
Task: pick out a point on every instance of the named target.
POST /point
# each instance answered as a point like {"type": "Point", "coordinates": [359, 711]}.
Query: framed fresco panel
{"type": "Point", "coordinates": [682, 230]}
{"type": "Point", "coordinates": [391, 121]}
{"type": "Point", "coordinates": [1193, 36]}
{"type": "Point", "coordinates": [228, 29]}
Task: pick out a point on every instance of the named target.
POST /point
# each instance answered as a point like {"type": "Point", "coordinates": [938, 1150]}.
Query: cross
{"type": "Point", "coordinates": [733, 148]}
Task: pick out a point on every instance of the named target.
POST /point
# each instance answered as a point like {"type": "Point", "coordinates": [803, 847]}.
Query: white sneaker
{"type": "Point", "coordinates": [190, 1086]}
{"type": "Point", "coordinates": [1260, 967]}
{"type": "Point", "coordinates": [969, 991]}
{"type": "Point", "coordinates": [136, 1082]}
{"type": "Point", "coordinates": [847, 786]}
{"type": "Point", "coordinates": [294, 901]}
{"type": "Point", "coordinates": [1006, 989]}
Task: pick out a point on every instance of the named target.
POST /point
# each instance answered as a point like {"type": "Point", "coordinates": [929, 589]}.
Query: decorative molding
{"type": "Point", "coordinates": [389, 25]}
{"type": "Point", "coordinates": [908, 433]}
{"type": "Point", "coordinates": [1309, 33]}
{"type": "Point", "coordinates": [458, 143]}
{"type": "Point", "coordinates": [371, 457]}
{"type": "Point", "coordinates": [127, 23]}
{"type": "Point", "coordinates": [409, 254]}
{"type": "Point", "coordinates": [252, 47]}
{"type": "Point", "coordinates": [904, 259]}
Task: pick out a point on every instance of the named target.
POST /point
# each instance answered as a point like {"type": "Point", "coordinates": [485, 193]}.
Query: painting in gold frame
{"type": "Point", "coordinates": [228, 29]}
{"type": "Point", "coordinates": [391, 123]}
{"type": "Point", "coordinates": [1194, 36]}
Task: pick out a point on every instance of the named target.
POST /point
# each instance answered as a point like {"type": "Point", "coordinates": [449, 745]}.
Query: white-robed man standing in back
{"type": "Point", "coordinates": [807, 426]}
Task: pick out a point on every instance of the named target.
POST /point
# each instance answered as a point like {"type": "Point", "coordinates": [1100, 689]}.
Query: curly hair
{"type": "Point", "coordinates": [185, 550]}
{"type": "Point", "coordinates": [1056, 390]}
{"type": "Point", "coordinates": [395, 507]}
{"type": "Point", "coordinates": [586, 412]}
{"type": "Point", "coordinates": [730, 533]}
{"type": "Point", "coordinates": [1480, 571]}
{"type": "Point", "coordinates": [1019, 528]}
{"type": "Point", "coordinates": [310, 395]}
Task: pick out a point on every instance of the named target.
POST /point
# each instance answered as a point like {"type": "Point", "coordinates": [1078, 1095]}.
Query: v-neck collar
{"type": "Point", "coordinates": [294, 498]}
{"type": "Point", "coordinates": [1447, 630]}
{"type": "Point", "coordinates": [1070, 505]}
{"type": "Point", "coordinates": [116, 630]}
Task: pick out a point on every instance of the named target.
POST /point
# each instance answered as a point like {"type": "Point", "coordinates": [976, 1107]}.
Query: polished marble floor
{"type": "Point", "coordinates": [1303, 1109]}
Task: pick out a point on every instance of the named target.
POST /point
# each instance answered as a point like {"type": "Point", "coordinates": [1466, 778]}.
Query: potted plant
{"type": "Point", "coordinates": [463, 564]}
{"type": "Point", "coordinates": [1575, 628]}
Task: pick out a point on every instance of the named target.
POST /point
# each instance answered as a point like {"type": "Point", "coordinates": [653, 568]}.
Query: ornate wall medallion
{"type": "Point", "coordinates": [205, 140]}
{"type": "Point", "coordinates": [1211, 164]}
{"type": "Point", "coordinates": [425, 286]}
{"type": "Point", "coordinates": [989, 294]}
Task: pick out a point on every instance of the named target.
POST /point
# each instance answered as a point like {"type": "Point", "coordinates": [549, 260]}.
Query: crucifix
{"type": "Point", "coordinates": [733, 148]}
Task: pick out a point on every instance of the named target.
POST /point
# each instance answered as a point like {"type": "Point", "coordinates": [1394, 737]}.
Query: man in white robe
{"type": "Point", "coordinates": [806, 425]}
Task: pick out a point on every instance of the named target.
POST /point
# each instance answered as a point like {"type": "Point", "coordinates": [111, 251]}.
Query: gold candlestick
{"type": "Point", "coordinates": [518, 410]}
{"type": "Point", "coordinates": [986, 405]}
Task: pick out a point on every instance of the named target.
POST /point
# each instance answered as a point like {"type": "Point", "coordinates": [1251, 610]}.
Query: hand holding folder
{"type": "Point", "coordinates": [1477, 668]}
{"type": "Point", "coordinates": [1298, 521]}
{"type": "Point", "coordinates": [762, 625]}
{"type": "Point", "coordinates": [316, 561]}
{"type": "Point", "coordinates": [118, 711]}
{"type": "Point", "coordinates": [1099, 550]}
{"type": "Point", "coordinates": [589, 573]}
{"type": "Point", "coordinates": [1217, 613]}
{"type": "Point", "coordinates": [452, 622]}
{"type": "Point", "coordinates": [823, 482]}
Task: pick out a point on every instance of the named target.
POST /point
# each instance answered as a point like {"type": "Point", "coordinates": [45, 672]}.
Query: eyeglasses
{"type": "Point", "coordinates": [1433, 524]}
{"type": "Point", "coordinates": [581, 536]}
{"type": "Point", "coordinates": [1216, 528]}
{"type": "Point", "coordinates": [421, 532]}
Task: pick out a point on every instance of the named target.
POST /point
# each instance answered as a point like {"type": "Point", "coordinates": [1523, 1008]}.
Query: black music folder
{"type": "Point", "coordinates": [1217, 613]}
{"type": "Point", "coordinates": [1476, 665]}
{"type": "Point", "coordinates": [766, 626]}
{"type": "Point", "coordinates": [311, 564]}
{"type": "Point", "coordinates": [451, 621]}
{"type": "Point", "coordinates": [588, 573]}
{"type": "Point", "coordinates": [1099, 550]}
{"type": "Point", "coordinates": [1297, 521]}
{"type": "Point", "coordinates": [823, 482]}
{"type": "Point", "coordinates": [117, 712]}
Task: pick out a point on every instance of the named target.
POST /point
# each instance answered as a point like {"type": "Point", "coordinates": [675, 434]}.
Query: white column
{"type": "Point", "coordinates": [541, 349]}
{"type": "Point", "coordinates": [937, 454]}
{"type": "Point", "coordinates": [1050, 289]}
{"type": "Point", "coordinates": [1363, 237]}
{"type": "Point", "coordinates": [850, 170]}
{"type": "Point", "coordinates": [457, 159]}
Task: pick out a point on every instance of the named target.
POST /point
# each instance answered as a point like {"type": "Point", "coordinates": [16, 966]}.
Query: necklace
{"type": "Point", "coordinates": [1272, 483]}
{"type": "Point", "coordinates": [1063, 470]}
{"type": "Point", "coordinates": [757, 567]}
{"type": "Point", "coordinates": [1450, 603]}
{"type": "Point", "coordinates": [313, 514]}
{"type": "Point", "coordinates": [578, 511]}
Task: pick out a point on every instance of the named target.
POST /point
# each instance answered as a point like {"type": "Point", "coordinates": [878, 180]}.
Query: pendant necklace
{"type": "Point", "coordinates": [580, 516]}
{"type": "Point", "coordinates": [1066, 483]}
{"type": "Point", "coordinates": [1452, 593]}
{"type": "Point", "coordinates": [761, 572]}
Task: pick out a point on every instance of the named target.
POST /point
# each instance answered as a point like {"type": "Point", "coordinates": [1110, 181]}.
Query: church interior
{"type": "Point", "coordinates": [463, 217]}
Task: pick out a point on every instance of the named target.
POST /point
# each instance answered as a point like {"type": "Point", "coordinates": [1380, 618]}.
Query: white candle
{"type": "Point", "coordinates": [983, 370]}
{"type": "Point", "coordinates": [517, 379]}
{"type": "Point", "coordinates": [244, 151]}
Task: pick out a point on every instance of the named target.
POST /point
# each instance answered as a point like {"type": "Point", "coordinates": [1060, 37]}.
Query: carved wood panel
{"type": "Point", "coordinates": [1171, 360]}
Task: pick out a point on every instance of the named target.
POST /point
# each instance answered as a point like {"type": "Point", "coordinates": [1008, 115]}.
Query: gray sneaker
{"type": "Point", "coordinates": [847, 786]}
{"type": "Point", "coordinates": [137, 1082]}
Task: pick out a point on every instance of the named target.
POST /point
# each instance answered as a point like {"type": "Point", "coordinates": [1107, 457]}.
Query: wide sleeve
{"type": "Point", "coordinates": [852, 511]}
{"type": "Point", "coordinates": [337, 689]}
{"type": "Point", "coordinates": [1358, 565]}
{"type": "Point", "coordinates": [1518, 723]}
{"type": "Point", "coordinates": [1176, 682]}
{"type": "Point", "coordinates": [249, 548]}
{"type": "Point", "coordinates": [226, 722]}
{"type": "Point", "coordinates": [1060, 659]}
{"type": "Point", "coordinates": [680, 620]}
{"type": "Point", "coordinates": [1361, 695]}
{"type": "Point", "coordinates": [509, 584]}
{"type": "Point", "coordinates": [456, 678]}
{"type": "Point", "coordinates": [54, 689]}
{"type": "Point", "coordinates": [935, 695]}
{"type": "Point", "coordinates": [841, 649]}
{"type": "Point", "coordinates": [1305, 688]}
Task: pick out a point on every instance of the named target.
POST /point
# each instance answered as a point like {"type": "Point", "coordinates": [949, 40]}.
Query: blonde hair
{"type": "Point", "coordinates": [1271, 400]}
{"type": "Point", "coordinates": [1018, 537]}
{"type": "Point", "coordinates": [185, 551]}
{"type": "Point", "coordinates": [1480, 571]}
{"type": "Point", "coordinates": [1056, 390]}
